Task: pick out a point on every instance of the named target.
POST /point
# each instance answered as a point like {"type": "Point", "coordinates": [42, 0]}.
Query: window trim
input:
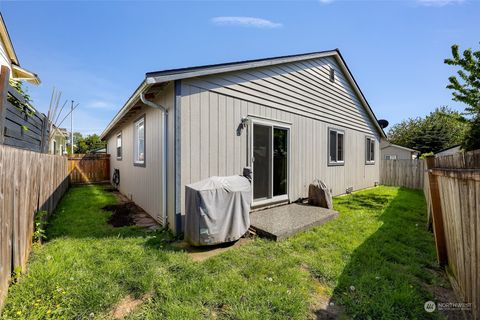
{"type": "Point", "coordinates": [335, 163]}
{"type": "Point", "coordinates": [390, 157]}
{"type": "Point", "coordinates": [140, 163]}
{"type": "Point", "coordinates": [369, 138]}
{"type": "Point", "coordinates": [273, 123]}
{"type": "Point", "coordinates": [119, 134]}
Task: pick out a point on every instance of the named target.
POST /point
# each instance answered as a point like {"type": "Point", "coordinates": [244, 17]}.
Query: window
{"type": "Point", "coordinates": [139, 142]}
{"type": "Point", "coordinates": [336, 149]}
{"type": "Point", "coordinates": [332, 74]}
{"type": "Point", "coordinates": [54, 147]}
{"type": "Point", "coordinates": [391, 157]}
{"type": "Point", "coordinates": [119, 146]}
{"type": "Point", "coordinates": [370, 151]}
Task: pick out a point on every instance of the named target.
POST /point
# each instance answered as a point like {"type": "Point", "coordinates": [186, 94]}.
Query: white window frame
{"type": "Point", "coordinates": [335, 162]}
{"type": "Point", "coordinates": [254, 119]}
{"type": "Point", "coordinates": [136, 161]}
{"type": "Point", "coordinates": [368, 146]}
{"type": "Point", "coordinates": [390, 157]}
{"type": "Point", "coordinates": [119, 135]}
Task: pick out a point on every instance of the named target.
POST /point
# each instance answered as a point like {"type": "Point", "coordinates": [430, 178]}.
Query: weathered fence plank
{"type": "Point", "coordinates": [452, 191]}
{"type": "Point", "coordinates": [458, 178]}
{"type": "Point", "coordinates": [402, 173]}
{"type": "Point", "coordinates": [21, 126]}
{"type": "Point", "coordinates": [89, 168]}
{"type": "Point", "coordinates": [29, 181]}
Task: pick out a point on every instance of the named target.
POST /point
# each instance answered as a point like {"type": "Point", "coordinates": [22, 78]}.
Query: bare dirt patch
{"type": "Point", "coordinates": [443, 293]}
{"type": "Point", "coordinates": [126, 306]}
{"type": "Point", "coordinates": [127, 213]}
{"type": "Point", "coordinates": [122, 214]}
{"type": "Point", "coordinates": [322, 305]}
{"type": "Point", "coordinates": [200, 254]}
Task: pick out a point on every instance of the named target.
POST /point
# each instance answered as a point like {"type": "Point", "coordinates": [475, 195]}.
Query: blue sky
{"type": "Point", "coordinates": [98, 52]}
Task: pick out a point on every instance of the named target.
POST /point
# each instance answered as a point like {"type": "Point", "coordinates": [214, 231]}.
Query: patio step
{"type": "Point", "coordinates": [281, 222]}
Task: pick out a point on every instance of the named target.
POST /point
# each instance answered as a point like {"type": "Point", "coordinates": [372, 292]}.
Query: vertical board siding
{"type": "Point", "coordinates": [143, 185]}
{"type": "Point", "coordinates": [29, 182]}
{"type": "Point", "coordinates": [299, 93]}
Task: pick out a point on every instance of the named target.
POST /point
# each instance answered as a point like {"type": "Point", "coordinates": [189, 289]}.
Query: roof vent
{"type": "Point", "coordinates": [332, 74]}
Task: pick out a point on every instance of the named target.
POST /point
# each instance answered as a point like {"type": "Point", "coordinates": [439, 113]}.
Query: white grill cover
{"type": "Point", "coordinates": [217, 210]}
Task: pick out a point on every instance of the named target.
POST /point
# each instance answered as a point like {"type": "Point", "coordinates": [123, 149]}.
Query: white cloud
{"type": "Point", "coordinates": [245, 22]}
{"type": "Point", "coordinates": [438, 3]}
{"type": "Point", "coordinates": [325, 1]}
{"type": "Point", "coordinates": [100, 104]}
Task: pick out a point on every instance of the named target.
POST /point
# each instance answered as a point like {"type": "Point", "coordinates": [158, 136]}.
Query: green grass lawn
{"type": "Point", "coordinates": [376, 260]}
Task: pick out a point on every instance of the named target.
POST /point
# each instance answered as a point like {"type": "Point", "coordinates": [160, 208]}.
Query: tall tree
{"type": "Point", "coordinates": [466, 89]}
{"type": "Point", "coordinates": [440, 129]}
{"type": "Point", "coordinates": [87, 144]}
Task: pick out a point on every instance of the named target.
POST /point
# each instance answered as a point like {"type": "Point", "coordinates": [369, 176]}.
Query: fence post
{"type": "Point", "coordinates": [437, 218]}
{"type": "Point", "coordinates": [4, 76]}
{"type": "Point", "coordinates": [45, 135]}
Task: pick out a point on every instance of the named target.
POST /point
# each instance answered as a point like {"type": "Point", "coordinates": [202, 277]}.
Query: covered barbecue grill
{"type": "Point", "coordinates": [217, 210]}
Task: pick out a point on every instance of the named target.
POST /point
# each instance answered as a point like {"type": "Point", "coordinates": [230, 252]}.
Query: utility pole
{"type": "Point", "coordinates": [71, 127]}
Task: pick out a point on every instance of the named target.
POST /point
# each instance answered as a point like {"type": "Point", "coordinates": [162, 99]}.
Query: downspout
{"type": "Point", "coordinates": [164, 152]}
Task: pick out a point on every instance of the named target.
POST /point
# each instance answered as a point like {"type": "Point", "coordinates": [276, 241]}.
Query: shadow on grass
{"type": "Point", "coordinates": [80, 215]}
{"type": "Point", "coordinates": [388, 274]}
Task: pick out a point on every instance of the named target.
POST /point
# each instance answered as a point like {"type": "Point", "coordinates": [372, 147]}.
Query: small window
{"type": "Point", "coordinates": [332, 74]}
{"type": "Point", "coordinates": [54, 147]}
{"type": "Point", "coordinates": [119, 146]}
{"type": "Point", "coordinates": [336, 147]}
{"type": "Point", "coordinates": [139, 142]}
{"type": "Point", "coordinates": [370, 151]}
{"type": "Point", "coordinates": [391, 157]}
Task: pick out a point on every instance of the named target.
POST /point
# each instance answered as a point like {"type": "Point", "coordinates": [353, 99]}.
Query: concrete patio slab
{"type": "Point", "coordinates": [281, 222]}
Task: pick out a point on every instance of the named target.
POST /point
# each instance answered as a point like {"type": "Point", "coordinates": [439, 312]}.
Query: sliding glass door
{"type": "Point", "coordinates": [270, 161]}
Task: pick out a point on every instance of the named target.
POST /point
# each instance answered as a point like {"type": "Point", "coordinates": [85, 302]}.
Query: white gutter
{"type": "Point", "coordinates": [164, 152]}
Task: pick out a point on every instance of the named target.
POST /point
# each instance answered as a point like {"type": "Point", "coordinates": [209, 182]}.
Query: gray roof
{"type": "Point", "coordinates": [155, 77]}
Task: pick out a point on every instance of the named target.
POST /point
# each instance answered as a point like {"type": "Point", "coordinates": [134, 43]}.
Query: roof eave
{"type": "Point", "coordinates": [126, 107]}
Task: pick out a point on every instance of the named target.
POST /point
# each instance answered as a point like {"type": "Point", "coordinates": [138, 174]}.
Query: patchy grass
{"type": "Point", "coordinates": [374, 261]}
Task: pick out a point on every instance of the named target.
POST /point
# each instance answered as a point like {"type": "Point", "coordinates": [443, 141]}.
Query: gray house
{"type": "Point", "coordinates": [390, 151]}
{"type": "Point", "coordinates": [291, 118]}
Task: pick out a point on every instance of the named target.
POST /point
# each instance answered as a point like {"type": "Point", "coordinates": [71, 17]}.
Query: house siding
{"type": "Point", "coordinates": [299, 93]}
{"type": "Point", "coordinates": [401, 154]}
{"type": "Point", "coordinates": [141, 184]}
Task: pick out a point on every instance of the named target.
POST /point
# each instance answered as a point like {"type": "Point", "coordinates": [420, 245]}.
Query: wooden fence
{"type": "Point", "coordinates": [21, 126]}
{"type": "Point", "coordinates": [89, 168]}
{"type": "Point", "coordinates": [403, 173]}
{"type": "Point", "coordinates": [454, 199]}
{"type": "Point", "coordinates": [29, 181]}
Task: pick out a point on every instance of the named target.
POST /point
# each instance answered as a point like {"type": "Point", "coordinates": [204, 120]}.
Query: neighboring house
{"type": "Point", "coordinates": [292, 119]}
{"type": "Point", "coordinates": [99, 150]}
{"type": "Point", "coordinates": [58, 141]}
{"type": "Point", "coordinates": [449, 151]}
{"type": "Point", "coordinates": [390, 151]}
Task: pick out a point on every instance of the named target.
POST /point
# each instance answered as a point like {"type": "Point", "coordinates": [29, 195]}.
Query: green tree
{"type": "Point", "coordinates": [440, 129]}
{"type": "Point", "coordinates": [466, 89]}
{"type": "Point", "coordinates": [87, 144]}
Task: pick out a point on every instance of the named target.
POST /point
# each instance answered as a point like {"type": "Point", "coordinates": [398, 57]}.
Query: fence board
{"type": "Point", "coordinates": [403, 173]}
{"type": "Point", "coordinates": [29, 182]}
{"type": "Point", "coordinates": [89, 168]}
{"type": "Point", "coordinates": [458, 179]}
{"type": "Point", "coordinates": [20, 125]}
